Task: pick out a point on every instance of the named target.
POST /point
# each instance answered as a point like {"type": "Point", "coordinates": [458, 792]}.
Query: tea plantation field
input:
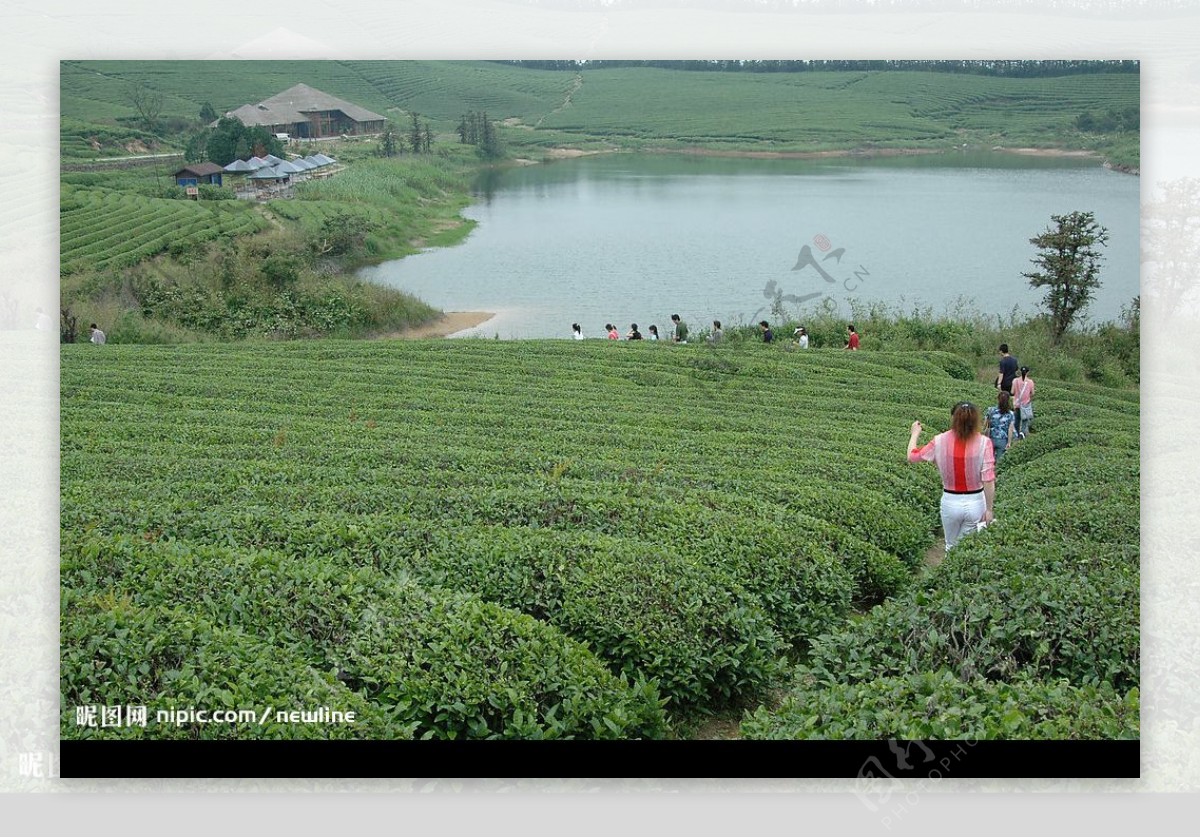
{"type": "Point", "coordinates": [550, 539]}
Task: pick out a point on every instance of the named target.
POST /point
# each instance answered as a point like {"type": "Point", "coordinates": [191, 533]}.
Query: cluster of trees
{"type": "Point", "coordinates": [419, 140]}
{"type": "Point", "coordinates": [1126, 119]}
{"type": "Point", "coordinates": [478, 130]}
{"type": "Point", "coordinates": [1020, 69]}
{"type": "Point", "coordinates": [231, 140]}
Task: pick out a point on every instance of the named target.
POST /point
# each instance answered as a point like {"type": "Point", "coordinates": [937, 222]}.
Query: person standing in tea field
{"type": "Point", "coordinates": [680, 331]}
{"type": "Point", "coordinates": [717, 333]}
{"type": "Point", "coordinates": [98, 337]}
{"type": "Point", "coordinates": [801, 337]}
{"type": "Point", "coordinates": [767, 334]}
{"type": "Point", "coordinates": [1008, 370]}
{"type": "Point", "coordinates": [577, 331]}
{"type": "Point", "coordinates": [851, 338]}
{"type": "Point", "coordinates": [653, 332]}
{"type": "Point", "coordinates": [1000, 421]}
{"type": "Point", "coordinates": [612, 331]}
{"type": "Point", "coordinates": [1023, 399]}
{"type": "Point", "coordinates": [633, 334]}
{"type": "Point", "coordinates": [967, 465]}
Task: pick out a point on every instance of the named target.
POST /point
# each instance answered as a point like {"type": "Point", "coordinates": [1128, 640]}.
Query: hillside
{"type": "Point", "coordinates": [636, 107]}
{"type": "Point", "coordinates": [557, 539]}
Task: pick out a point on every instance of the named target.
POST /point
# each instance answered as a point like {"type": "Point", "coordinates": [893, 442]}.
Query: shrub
{"type": "Point", "coordinates": [497, 674]}
{"type": "Point", "coordinates": [472, 669]}
{"type": "Point", "coordinates": [115, 653]}
{"type": "Point", "coordinates": [1001, 611]}
{"type": "Point", "coordinates": [653, 615]}
{"type": "Point", "coordinates": [938, 705]}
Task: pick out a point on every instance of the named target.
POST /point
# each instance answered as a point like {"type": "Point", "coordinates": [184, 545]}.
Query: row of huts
{"type": "Point", "coordinates": [258, 174]}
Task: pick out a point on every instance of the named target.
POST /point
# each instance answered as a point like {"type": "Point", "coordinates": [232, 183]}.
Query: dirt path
{"type": "Point", "coordinates": [935, 554]}
{"type": "Point", "coordinates": [566, 102]}
{"type": "Point", "coordinates": [270, 216]}
{"type": "Point", "coordinates": [720, 729]}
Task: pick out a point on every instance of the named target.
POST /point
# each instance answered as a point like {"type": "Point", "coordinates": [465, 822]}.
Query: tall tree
{"type": "Point", "coordinates": [414, 135]}
{"type": "Point", "coordinates": [388, 144]}
{"type": "Point", "coordinates": [147, 102]}
{"type": "Point", "coordinates": [208, 114]}
{"type": "Point", "coordinates": [197, 147]}
{"type": "Point", "coordinates": [489, 146]}
{"type": "Point", "coordinates": [1068, 267]}
{"type": "Point", "coordinates": [427, 140]}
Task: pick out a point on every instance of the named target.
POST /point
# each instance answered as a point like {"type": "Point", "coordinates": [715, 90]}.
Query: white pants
{"type": "Point", "coordinates": [961, 514]}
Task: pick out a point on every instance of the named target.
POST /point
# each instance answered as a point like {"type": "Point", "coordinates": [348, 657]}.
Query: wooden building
{"type": "Point", "coordinates": [198, 173]}
{"type": "Point", "coordinates": [304, 112]}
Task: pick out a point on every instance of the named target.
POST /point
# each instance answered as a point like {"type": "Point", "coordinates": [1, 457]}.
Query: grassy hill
{"type": "Point", "coordinates": [632, 106]}
{"type": "Point", "coordinates": [552, 539]}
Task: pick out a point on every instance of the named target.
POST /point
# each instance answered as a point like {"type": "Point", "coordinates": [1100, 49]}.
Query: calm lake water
{"type": "Point", "coordinates": [634, 238]}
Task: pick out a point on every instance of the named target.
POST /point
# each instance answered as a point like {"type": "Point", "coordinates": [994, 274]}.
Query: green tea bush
{"type": "Point", "coordinates": [1001, 611]}
{"type": "Point", "coordinates": [496, 674]}
{"type": "Point", "coordinates": [939, 705]}
{"type": "Point", "coordinates": [655, 616]}
{"type": "Point", "coordinates": [333, 619]}
{"type": "Point", "coordinates": [114, 653]}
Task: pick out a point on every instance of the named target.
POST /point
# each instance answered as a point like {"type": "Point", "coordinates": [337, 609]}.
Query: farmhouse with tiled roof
{"type": "Point", "coordinates": [306, 112]}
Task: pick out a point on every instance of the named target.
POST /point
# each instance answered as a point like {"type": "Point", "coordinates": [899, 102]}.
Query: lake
{"type": "Point", "coordinates": [627, 238]}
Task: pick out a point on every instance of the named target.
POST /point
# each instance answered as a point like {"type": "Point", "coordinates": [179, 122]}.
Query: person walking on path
{"type": "Point", "coordinates": [852, 338]}
{"type": "Point", "coordinates": [681, 330]}
{"type": "Point", "coordinates": [1023, 388]}
{"type": "Point", "coordinates": [1001, 423]}
{"type": "Point", "coordinates": [98, 337]}
{"type": "Point", "coordinates": [1008, 370]}
{"type": "Point", "coordinates": [967, 465]}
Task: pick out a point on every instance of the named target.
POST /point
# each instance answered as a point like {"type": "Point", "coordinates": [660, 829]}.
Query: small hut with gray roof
{"type": "Point", "coordinates": [306, 112]}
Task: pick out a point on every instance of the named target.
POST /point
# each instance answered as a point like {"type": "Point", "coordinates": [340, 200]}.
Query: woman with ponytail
{"type": "Point", "coordinates": [967, 464]}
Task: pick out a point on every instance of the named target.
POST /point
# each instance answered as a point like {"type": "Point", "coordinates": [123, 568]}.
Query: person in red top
{"type": "Point", "coordinates": [967, 464]}
{"type": "Point", "coordinates": [852, 340]}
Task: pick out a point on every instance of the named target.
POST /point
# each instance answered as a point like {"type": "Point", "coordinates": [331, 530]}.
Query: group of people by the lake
{"type": "Point", "coordinates": [679, 333]}
{"type": "Point", "coordinates": [967, 453]}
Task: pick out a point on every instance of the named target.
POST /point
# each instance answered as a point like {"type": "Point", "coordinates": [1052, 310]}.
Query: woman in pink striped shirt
{"type": "Point", "coordinates": [967, 463]}
{"type": "Point", "coordinates": [1023, 402]}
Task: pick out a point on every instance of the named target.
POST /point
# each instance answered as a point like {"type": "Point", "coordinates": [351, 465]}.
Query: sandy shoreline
{"type": "Point", "coordinates": [449, 323]}
{"type": "Point", "coordinates": [701, 151]}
